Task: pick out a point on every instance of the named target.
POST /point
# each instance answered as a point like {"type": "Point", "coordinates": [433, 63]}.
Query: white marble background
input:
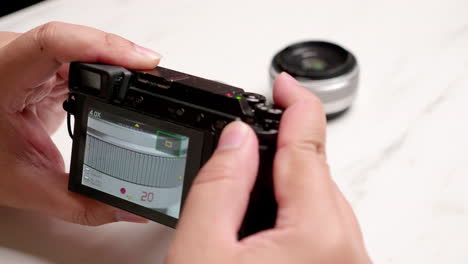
{"type": "Point", "coordinates": [400, 155]}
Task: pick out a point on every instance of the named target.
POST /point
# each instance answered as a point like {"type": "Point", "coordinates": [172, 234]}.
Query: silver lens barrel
{"type": "Point", "coordinates": [326, 69]}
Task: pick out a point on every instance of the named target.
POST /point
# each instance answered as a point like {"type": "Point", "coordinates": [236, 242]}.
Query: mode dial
{"type": "Point", "coordinates": [253, 98]}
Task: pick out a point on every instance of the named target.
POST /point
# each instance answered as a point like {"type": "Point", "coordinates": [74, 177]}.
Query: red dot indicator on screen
{"type": "Point", "coordinates": [123, 191]}
{"type": "Point", "coordinates": [229, 95]}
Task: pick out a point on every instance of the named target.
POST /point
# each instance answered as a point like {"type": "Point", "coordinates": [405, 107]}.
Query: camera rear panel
{"type": "Point", "coordinates": [140, 138]}
{"type": "Point", "coordinates": [134, 161]}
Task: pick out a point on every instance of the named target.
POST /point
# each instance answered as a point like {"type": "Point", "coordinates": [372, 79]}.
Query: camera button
{"type": "Point", "coordinates": [268, 115]}
{"type": "Point", "coordinates": [219, 125]}
{"type": "Point", "coordinates": [253, 98]}
{"type": "Point", "coordinates": [261, 107]}
{"type": "Point", "coordinates": [275, 113]}
{"type": "Point", "coordinates": [180, 111]}
{"type": "Point", "coordinates": [200, 118]}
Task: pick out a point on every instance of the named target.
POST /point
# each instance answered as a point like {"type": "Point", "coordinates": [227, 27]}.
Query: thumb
{"type": "Point", "coordinates": [218, 198]}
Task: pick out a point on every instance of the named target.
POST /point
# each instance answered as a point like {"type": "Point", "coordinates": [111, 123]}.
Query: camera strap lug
{"type": "Point", "coordinates": [70, 107]}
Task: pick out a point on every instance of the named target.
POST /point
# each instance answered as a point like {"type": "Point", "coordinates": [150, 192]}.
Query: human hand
{"type": "Point", "coordinates": [315, 224]}
{"type": "Point", "coordinates": [33, 83]}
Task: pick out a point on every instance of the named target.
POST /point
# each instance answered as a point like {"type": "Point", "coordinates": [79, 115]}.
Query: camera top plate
{"type": "Point", "coordinates": [131, 89]}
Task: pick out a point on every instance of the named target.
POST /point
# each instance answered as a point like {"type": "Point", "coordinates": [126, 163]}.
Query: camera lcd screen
{"type": "Point", "coordinates": [135, 161]}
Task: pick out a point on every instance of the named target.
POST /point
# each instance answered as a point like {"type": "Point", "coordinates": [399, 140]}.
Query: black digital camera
{"type": "Point", "coordinates": [140, 138]}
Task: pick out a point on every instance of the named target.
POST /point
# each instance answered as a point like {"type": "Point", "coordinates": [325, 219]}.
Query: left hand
{"type": "Point", "coordinates": [33, 86]}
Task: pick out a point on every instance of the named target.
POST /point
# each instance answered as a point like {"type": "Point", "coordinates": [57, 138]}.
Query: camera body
{"type": "Point", "coordinates": [140, 138]}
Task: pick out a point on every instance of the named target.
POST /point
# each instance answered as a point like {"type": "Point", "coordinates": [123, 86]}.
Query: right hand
{"type": "Point", "coordinates": [315, 223]}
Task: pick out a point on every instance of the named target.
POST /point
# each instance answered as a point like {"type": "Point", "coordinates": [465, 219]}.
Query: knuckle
{"type": "Point", "coordinates": [45, 34]}
{"type": "Point", "coordinates": [304, 148]}
{"type": "Point", "coordinates": [114, 41]}
{"type": "Point", "coordinates": [309, 145]}
{"type": "Point", "coordinates": [84, 216]}
{"type": "Point", "coordinates": [218, 172]}
{"type": "Point", "coordinates": [109, 38]}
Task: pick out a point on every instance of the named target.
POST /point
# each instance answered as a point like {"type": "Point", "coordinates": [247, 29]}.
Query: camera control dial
{"type": "Point", "coordinates": [269, 115]}
{"type": "Point", "coordinates": [254, 98]}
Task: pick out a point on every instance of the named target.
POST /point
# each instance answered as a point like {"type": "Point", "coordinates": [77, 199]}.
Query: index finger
{"type": "Point", "coordinates": [6, 37]}
{"type": "Point", "coordinates": [304, 126]}
{"type": "Point", "coordinates": [35, 56]}
{"type": "Point", "coordinates": [301, 178]}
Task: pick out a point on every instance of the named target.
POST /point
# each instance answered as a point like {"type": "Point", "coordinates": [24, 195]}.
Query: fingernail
{"type": "Point", "coordinates": [233, 136]}
{"type": "Point", "coordinates": [121, 215]}
{"type": "Point", "coordinates": [288, 78]}
{"type": "Point", "coordinates": [153, 55]}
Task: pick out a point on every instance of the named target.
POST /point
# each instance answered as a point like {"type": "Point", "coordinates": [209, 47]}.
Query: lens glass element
{"type": "Point", "coordinates": [314, 64]}
{"type": "Point", "coordinates": [314, 60]}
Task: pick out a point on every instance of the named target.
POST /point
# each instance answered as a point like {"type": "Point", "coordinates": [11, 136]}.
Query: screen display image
{"type": "Point", "coordinates": [134, 161]}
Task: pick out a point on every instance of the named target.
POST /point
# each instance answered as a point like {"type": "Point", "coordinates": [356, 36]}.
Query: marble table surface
{"type": "Point", "coordinates": [400, 155]}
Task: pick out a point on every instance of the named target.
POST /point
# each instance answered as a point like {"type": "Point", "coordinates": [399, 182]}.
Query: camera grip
{"type": "Point", "coordinates": [262, 209]}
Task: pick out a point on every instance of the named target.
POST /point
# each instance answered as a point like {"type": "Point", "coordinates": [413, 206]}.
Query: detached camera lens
{"type": "Point", "coordinates": [328, 70]}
